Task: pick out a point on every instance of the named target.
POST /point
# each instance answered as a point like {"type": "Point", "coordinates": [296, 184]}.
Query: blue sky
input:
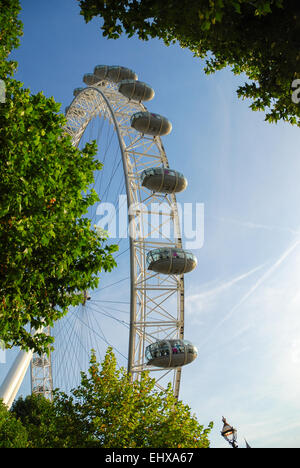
{"type": "Point", "coordinates": [242, 302]}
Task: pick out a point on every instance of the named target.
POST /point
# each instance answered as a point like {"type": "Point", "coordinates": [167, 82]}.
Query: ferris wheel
{"type": "Point", "coordinates": [138, 308]}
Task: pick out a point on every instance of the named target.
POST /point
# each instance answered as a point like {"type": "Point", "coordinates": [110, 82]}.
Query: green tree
{"type": "Point", "coordinates": [260, 38]}
{"type": "Point", "coordinates": [50, 425]}
{"type": "Point", "coordinates": [12, 432]}
{"type": "Point", "coordinates": [10, 32]}
{"type": "Point", "coordinates": [49, 252]}
{"type": "Point", "coordinates": [115, 412]}
{"type": "Point", "coordinates": [108, 410]}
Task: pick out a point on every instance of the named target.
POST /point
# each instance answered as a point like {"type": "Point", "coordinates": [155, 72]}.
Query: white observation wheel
{"type": "Point", "coordinates": [155, 259]}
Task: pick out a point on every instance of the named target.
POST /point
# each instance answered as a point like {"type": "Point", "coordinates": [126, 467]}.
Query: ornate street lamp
{"type": "Point", "coordinates": [229, 433]}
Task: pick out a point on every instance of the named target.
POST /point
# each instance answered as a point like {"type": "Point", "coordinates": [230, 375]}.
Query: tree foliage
{"type": "Point", "coordinates": [12, 433]}
{"type": "Point", "coordinates": [126, 414]}
{"type": "Point", "coordinates": [47, 426]}
{"type": "Point", "coordinates": [49, 252]}
{"type": "Point", "coordinates": [260, 38]}
{"type": "Point", "coordinates": [10, 32]}
{"type": "Point", "coordinates": [108, 410]}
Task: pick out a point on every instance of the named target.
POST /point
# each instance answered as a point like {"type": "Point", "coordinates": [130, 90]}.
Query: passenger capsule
{"type": "Point", "coordinates": [136, 90]}
{"type": "Point", "coordinates": [170, 353]}
{"type": "Point", "coordinates": [90, 79]}
{"type": "Point", "coordinates": [171, 261]}
{"type": "Point", "coordinates": [163, 180]}
{"type": "Point", "coordinates": [150, 124]}
{"type": "Point", "coordinates": [114, 73]}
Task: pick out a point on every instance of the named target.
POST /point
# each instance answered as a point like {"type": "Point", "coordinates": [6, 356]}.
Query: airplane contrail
{"type": "Point", "coordinates": [258, 283]}
{"type": "Point", "coordinates": [223, 287]}
{"type": "Point", "coordinates": [250, 225]}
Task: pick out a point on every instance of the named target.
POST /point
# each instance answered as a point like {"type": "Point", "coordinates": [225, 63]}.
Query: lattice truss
{"type": "Point", "coordinates": [157, 301]}
{"type": "Point", "coordinates": [41, 373]}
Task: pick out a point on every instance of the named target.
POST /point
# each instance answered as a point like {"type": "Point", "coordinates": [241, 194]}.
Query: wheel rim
{"type": "Point", "coordinates": [154, 309]}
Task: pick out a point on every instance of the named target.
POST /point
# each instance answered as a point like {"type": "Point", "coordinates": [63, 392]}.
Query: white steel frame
{"type": "Point", "coordinates": [151, 317]}
{"type": "Point", "coordinates": [41, 373]}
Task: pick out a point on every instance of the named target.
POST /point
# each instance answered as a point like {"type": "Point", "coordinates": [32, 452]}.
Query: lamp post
{"type": "Point", "coordinates": [229, 433]}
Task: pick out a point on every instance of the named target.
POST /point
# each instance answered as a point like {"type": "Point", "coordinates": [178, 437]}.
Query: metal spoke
{"type": "Point", "coordinates": [154, 309]}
